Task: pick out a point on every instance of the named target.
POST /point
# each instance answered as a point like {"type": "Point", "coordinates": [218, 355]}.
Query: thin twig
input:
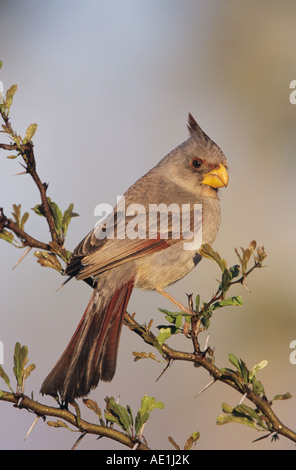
{"type": "Point", "coordinates": [27, 152]}
{"type": "Point", "coordinates": [27, 403]}
{"type": "Point", "coordinates": [31, 169]}
{"type": "Point", "coordinates": [24, 236]}
{"type": "Point", "coordinates": [8, 147]}
{"type": "Point", "coordinates": [200, 358]}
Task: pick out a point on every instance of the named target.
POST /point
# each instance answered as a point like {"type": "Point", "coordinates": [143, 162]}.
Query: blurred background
{"type": "Point", "coordinates": [110, 84]}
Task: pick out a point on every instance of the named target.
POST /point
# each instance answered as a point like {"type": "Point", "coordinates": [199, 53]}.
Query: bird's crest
{"type": "Point", "coordinates": [195, 130]}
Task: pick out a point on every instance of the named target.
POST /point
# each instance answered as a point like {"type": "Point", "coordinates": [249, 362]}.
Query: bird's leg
{"type": "Point", "coordinates": [174, 301]}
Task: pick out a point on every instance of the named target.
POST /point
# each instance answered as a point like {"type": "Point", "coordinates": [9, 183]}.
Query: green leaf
{"type": "Point", "coordinates": [285, 396]}
{"type": "Point", "coordinates": [260, 256]}
{"type": "Point", "coordinates": [67, 216]}
{"type": "Point", "coordinates": [147, 405]}
{"type": "Point", "coordinates": [7, 236]}
{"type": "Point", "coordinates": [256, 369]}
{"type": "Point", "coordinates": [244, 371]}
{"type": "Point", "coordinates": [241, 367]}
{"type": "Point", "coordinates": [28, 370]}
{"type": "Point", "coordinates": [165, 311]}
{"type": "Point", "coordinates": [61, 221]}
{"type": "Point", "coordinates": [20, 360]}
{"type": "Point", "coordinates": [130, 412]}
{"type": "Point", "coordinates": [144, 355]}
{"type": "Point", "coordinates": [24, 219]}
{"type": "Point", "coordinates": [241, 414]}
{"type": "Point", "coordinates": [139, 423]}
{"type": "Point", "coordinates": [19, 220]}
{"type": "Point", "coordinates": [176, 319]}
{"type": "Point", "coordinates": [5, 377]}
{"type": "Point", "coordinates": [92, 405]}
{"type": "Point", "coordinates": [48, 260]}
{"type": "Point", "coordinates": [225, 419]}
{"type": "Point", "coordinates": [164, 334]}
{"type": "Point", "coordinates": [192, 440]}
{"type": "Point", "coordinates": [38, 209]}
{"type": "Point", "coordinates": [30, 132]}
{"type": "Point", "coordinates": [234, 301]}
{"type": "Point", "coordinates": [17, 213]}
{"type": "Point", "coordinates": [207, 313]}
{"type": "Point", "coordinates": [165, 331]}
{"type": "Point", "coordinates": [9, 97]}
{"type": "Point", "coordinates": [234, 271]}
{"type": "Point", "coordinates": [255, 415]}
{"type": "Point", "coordinates": [208, 252]}
{"type": "Point", "coordinates": [57, 216]}
{"type": "Point", "coordinates": [197, 302]}
{"type": "Point", "coordinates": [246, 410]}
{"type": "Point", "coordinates": [234, 360]}
{"type": "Point", "coordinates": [246, 255]}
{"type": "Point", "coordinates": [118, 414]}
{"type": "Point", "coordinates": [59, 424]}
{"type": "Point", "coordinates": [225, 281]}
{"type": "Point", "coordinates": [227, 408]}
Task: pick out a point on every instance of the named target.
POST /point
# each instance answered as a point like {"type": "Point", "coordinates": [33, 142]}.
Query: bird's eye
{"type": "Point", "coordinates": [196, 163]}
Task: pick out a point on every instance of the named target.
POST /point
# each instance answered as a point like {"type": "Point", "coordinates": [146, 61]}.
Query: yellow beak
{"type": "Point", "coordinates": [217, 178]}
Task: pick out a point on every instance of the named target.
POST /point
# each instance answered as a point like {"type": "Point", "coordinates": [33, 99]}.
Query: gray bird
{"type": "Point", "coordinates": [188, 177]}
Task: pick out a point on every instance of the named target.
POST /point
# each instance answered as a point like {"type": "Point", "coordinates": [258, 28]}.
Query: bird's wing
{"type": "Point", "coordinates": [95, 254]}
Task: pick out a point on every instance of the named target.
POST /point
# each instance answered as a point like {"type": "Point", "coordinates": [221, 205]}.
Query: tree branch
{"type": "Point", "coordinates": [201, 358]}
{"type": "Point", "coordinates": [42, 187]}
{"type": "Point", "coordinates": [26, 238]}
{"type": "Point", "coordinates": [25, 148]}
{"type": "Point", "coordinates": [24, 402]}
{"type": "Point", "coordinates": [8, 146]}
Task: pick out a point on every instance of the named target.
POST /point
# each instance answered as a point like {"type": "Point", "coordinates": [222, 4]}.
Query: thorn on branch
{"type": "Point", "coordinates": [22, 257]}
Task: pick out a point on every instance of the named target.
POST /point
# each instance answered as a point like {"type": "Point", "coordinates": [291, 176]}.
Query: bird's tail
{"type": "Point", "coordinates": [92, 352]}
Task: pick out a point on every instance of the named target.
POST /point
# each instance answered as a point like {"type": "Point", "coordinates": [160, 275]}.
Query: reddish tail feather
{"type": "Point", "coordinates": [92, 351]}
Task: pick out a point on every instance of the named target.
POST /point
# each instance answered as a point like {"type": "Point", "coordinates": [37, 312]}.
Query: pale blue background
{"type": "Point", "coordinates": [110, 84]}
